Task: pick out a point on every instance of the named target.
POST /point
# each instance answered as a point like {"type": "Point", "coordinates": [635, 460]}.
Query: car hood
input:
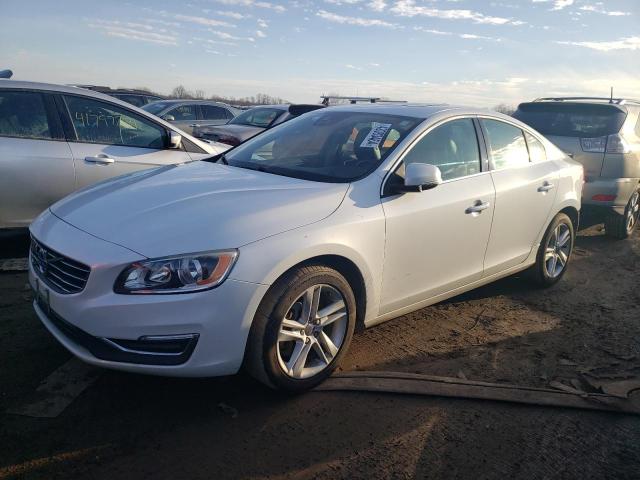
{"type": "Point", "coordinates": [196, 207]}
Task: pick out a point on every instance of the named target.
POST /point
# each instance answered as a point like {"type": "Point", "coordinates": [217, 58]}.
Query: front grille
{"type": "Point", "coordinates": [59, 272]}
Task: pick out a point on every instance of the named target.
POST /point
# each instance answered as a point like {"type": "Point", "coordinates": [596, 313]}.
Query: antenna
{"type": "Point", "coordinates": [611, 100]}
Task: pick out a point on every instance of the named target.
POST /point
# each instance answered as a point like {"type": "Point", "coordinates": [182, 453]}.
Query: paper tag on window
{"type": "Point", "coordinates": [376, 135]}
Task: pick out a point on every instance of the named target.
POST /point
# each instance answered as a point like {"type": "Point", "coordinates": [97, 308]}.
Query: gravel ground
{"type": "Point", "coordinates": [129, 426]}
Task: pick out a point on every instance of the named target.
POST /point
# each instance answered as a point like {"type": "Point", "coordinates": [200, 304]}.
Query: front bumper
{"type": "Point", "coordinates": [217, 321]}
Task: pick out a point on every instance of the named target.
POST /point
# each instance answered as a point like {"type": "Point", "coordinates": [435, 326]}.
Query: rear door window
{"type": "Point", "coordinates": [23, 115]}
{"type": "Point", "coordinates": [96, 121]}
{"type": "Point", "coordinates": [212, 112]}
{"type": "Point", "coordinates": [506, 144]}
{"type": "Point", "coordinates": [572, 119]}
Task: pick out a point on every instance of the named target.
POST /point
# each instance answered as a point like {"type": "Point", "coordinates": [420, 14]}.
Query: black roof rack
{"type": "Point", "coordinates": [326, 99]}
{"type": "Point", "coordinates": [617, 101]}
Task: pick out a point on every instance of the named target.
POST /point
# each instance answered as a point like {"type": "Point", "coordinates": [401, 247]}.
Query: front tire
{"type": "Point", "coordinates": [554, 252]}
{"type": "Point", "coordinates": [302, 329]}
{"type": "Point", "coordinates": [619, 226]}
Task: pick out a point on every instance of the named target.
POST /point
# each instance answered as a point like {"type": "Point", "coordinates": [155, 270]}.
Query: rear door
{"type": "Point", "coordinates": [108, 140]}
{"type": "Point", "coordinates": [36, 166]}
{"type": "Point", "coordinates": [526, 186]}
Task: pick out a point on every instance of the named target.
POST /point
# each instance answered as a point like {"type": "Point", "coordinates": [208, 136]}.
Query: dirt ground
{"type": "Point", "coordinates": [129, 426]}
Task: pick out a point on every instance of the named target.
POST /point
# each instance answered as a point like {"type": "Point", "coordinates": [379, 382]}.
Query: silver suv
{"type": "Point", "coordinates": [603, 134]}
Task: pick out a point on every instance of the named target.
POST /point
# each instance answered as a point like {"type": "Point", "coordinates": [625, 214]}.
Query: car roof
{"type": "Point", "coordinates": [52, 87]}
{"type": "Point", "coordinates": [174, 101]}
{"type": "Point", "coordinates": [416, 110]}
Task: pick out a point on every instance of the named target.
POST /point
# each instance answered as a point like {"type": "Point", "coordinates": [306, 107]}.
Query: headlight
{"type": "Point", "coordinates": [180, 274]}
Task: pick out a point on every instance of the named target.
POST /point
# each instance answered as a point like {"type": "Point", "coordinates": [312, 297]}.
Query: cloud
{"type": "Point", "coordinates": [629, 43]}
{"type": "Point", "coordinates": [228, 36]}
{"type": "Point", "coordinates": [408, 8]}
{"type": "Point", "coordinates": [208, 22]}
{"type": "Point", "coordinates": [362, 22]}
{"type": "Point", "coordinates": [464, 36]}
{"type": "Point", "coordinates": [260, 33]}
{"type": "Point", "coordinates": [598, 9]}
{"type": "Point", "coordinates": [134, 31]}
{"type": "Point", "coordinates": [253, 3]}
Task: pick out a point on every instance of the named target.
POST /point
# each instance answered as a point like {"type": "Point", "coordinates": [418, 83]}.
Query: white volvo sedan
{"type": "Point", "coordinates": [271, 256]}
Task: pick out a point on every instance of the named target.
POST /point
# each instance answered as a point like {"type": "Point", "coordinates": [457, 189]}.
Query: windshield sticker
{"type": "Point", "coordinates": [376, 135]}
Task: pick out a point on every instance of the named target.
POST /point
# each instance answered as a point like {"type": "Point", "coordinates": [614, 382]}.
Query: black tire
{"type": "Point", "coordinates": [538, 271]}
{"type": "Point", "coordinates": [619, 226]}
{"type": "Point", "coordinates": [261, 356]}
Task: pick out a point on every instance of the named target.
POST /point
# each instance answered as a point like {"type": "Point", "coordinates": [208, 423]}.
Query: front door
{"type": "Point", "coordinates": [436, 239]}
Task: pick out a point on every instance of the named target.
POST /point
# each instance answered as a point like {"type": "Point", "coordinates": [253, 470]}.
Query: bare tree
{"type": "Point", "coordinates": [181, 92]}
{"type": "Point", "coordinates": [505, 108]}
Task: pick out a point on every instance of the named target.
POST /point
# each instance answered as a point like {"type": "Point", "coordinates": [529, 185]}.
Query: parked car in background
{"type": "Point", "coordinates": [271, 254]}
{"type": "Point", "coordinates": [187, 114]}
{"type": "Point", "coordinates": [56, 139]}
{"type": "Point", "coordinates": [138, 98]}
{"type": "Point", "coordinates": [603, 134]}
{"type": "Point", "coordinates": [251, 122]}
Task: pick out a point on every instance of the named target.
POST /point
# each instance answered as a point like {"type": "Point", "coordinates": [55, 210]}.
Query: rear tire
{"type": "Point", "coordinates": [619, 226]}
{"type": "Point", "coordinates": [302, 329]}
{"type": "Point", "coordinates": [554, 252]}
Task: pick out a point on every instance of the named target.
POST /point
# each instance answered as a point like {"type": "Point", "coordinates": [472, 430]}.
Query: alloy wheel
{"type": "Point", "coordinates": [633, 212]}
{"type": "Point", "coordinates": [312, 331]}
{"type": "Point", "coordinates": [557, 250]}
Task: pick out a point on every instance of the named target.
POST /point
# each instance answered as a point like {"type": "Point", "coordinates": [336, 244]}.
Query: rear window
{"type": "Point", "coordinates": [571, 119]}
{"type": "Point", "coordinates": [258, 117]}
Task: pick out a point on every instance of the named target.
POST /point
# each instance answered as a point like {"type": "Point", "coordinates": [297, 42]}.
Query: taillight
{"type": "Point", "coordinates": [611, 144]}
{"type": "Point", "coordinates": [603, 198]}
{"type": "Point", "coordinates": [594, 145]}
{"type": "Point", "coordinates": [616, 144]}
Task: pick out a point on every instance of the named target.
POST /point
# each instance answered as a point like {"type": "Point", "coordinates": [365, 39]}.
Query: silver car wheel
{"type": "Point", "coordinates": [633, 212]}
{"type": "Point", "coordinates": [312, 332]}
{"type": "Point", "coordinates": [557, 250]}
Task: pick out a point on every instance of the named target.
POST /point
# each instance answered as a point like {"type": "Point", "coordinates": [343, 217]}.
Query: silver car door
{"type": "Point", "coordinates": [111, 140]}
{"type": "Point", "coordinates": [526, 187]}
{"type": "Point", "coordinates": [436, 239]}
{"type": "Point", "coordinates": [36, 166]}
{"type": "Point", "coordinates": [213, 115]}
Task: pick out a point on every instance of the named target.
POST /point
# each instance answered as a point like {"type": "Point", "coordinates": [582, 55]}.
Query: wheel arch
{"type": "Point", "coordinates": [348, 269]}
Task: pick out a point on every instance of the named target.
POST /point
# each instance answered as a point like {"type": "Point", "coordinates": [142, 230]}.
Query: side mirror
{"type": "Point", "coordinates": [169, 118]}
{"type": "Point", "coordinates": [175, 139]}
{"type": "Point", "coordinates": [419, 177]}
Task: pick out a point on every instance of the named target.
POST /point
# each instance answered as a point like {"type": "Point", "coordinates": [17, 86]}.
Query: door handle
{"type": "Point", "coordinates": [193, 125]}
{"type": "Point", "coordinates": [477, 207]}
{"type": "Point", "coordinates": [100, 159]}
{"type": "Point", "coordinates": [546, 186]}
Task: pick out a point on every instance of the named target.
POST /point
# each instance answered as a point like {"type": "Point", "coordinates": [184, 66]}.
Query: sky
{"type": "Point", "coordinates": [471, 52]}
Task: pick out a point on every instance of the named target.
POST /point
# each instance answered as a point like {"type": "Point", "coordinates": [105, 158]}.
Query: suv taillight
{"type": "Point", "coordinates": [611, 144]}
{"type": "Point", "coordinates": [616, 144]}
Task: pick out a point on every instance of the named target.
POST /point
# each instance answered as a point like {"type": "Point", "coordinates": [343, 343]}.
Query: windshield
{"type": "Point", "coordinates": [325, 146]}
{"type": "Point", "coordinates": [258, 117]}
{"type": "Point", "coordinates": [155, 107]}
{"type": "Point", "coordinates": [571, 119]}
